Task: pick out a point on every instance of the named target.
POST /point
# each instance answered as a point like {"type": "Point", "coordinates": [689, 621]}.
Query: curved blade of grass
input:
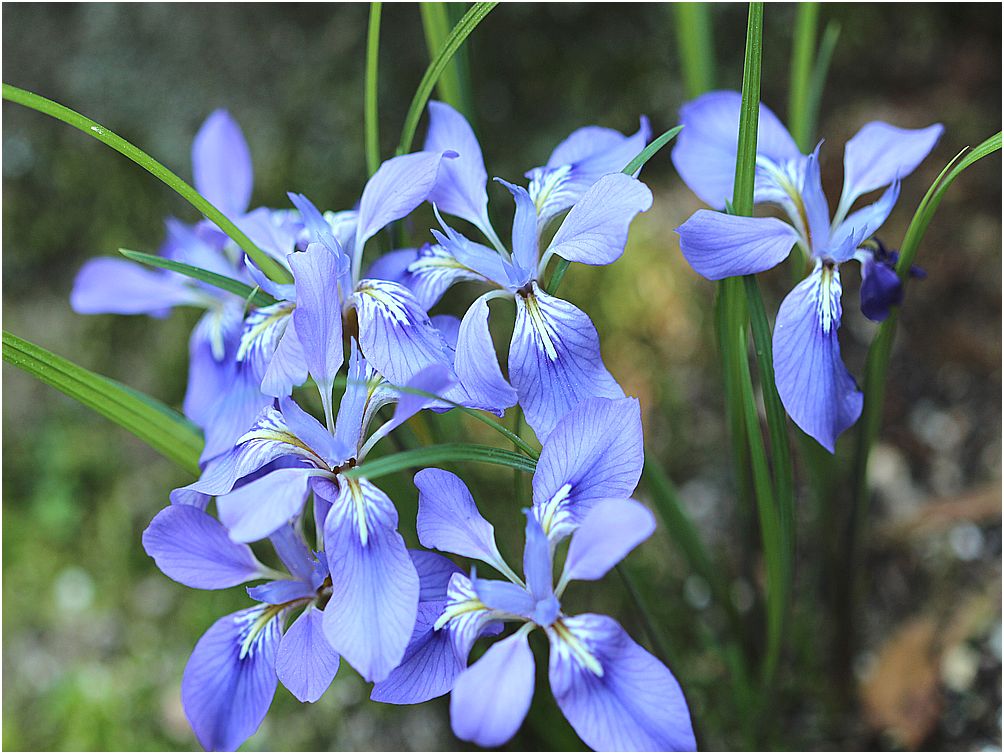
{"type": "Point", "coordinates": [694, 40]}
{"type": "Point", "coordinates": [269, 266]}
{"type": "Point", "coordinates": [436, 25]}
{"type": "Point", "coordinates": [160, 427]}
{"type": "Point", "coordinates": [819, 72]}
{"type": "Point", "coordinates": [371, 121]}
{"type": "Point", "coordinates": [460, 32]}
{"type": "Point", "coordinates": [445, 453]}
{"type": "Point", "coordinates": [636, 164]}
{"type": "Point", "coordinates": [255, 296]}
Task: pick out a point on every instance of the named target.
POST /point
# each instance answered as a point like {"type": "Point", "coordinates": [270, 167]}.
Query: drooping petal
{"type": "Point", "coordinates": [476, 361]}
{"type": "Point", "coordinates": [616, 695]}
{"type": "Point", "coordinates": [607, 534]}
{"type": "Point", "coordinates": [395, 332]}
{"type": "Point", "coordinates": [305, 663]}
{"type": "Point", "coordinates": [230, 680]}
{"type": "Point", "coordinates": [460, 188]}
{"type": "Point", "coordinates": [318, 313]}
{"type": "Point", "coordinates": [117, 286]}
{"type": "Point", "coordinates": [221, 164]}
{"type": "Point", "coordinates": [818, 392]}
{"type": "Point", "coordinates": [596, 229]}
{"type": "Point", "coordinates": [398, 186]}
{"type": "Point", "coordinates": [428, 272]}
{"type": "Point", "coordinates": [484, 261]}
{"type": "Point", "coordinates": [430, 665]}
{"type": "Point", "coordinates": [257, 509]}
{"type": "Point", "coordinates": [705, 151]}
{"type": "Point", "coordinates": [880, 153]}
{"type": "Point", "coordinates": [193, 548]}
{"type": "Point", "coordinates": [718, 246]}
{"type": "Point", "coordinates": [524, 229]}
{"type": "Point", "coordinates": [374, 590]}
{"type": "Point", "coordinates": [449, 519]}
{"type": "Point", "coordinates": [491, 698]}
{"type": "Point", "coordinates": [595, 452]}
{"type": "Point", "coordinates": [554, 360]}
{"type": "Point", "coordinates": [449, 328]}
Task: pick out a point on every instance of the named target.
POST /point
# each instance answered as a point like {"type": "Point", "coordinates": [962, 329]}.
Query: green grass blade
{"type": "Point", "coordinates": [636, 164]}
{"type": "Point", "coordinates": [254, 296]}
{"type": "Point", "coordinates": [269, 266]}
{"type": "Point", "coordinates": [436, 25]}
{"type": "Point", "coordinates": [819, 72]}
{"type": "Point", "coordinates": [457, 37]}
{"type": "Point", "coordinates": [445, 453]}
{"type": "Point", "coordinates": [371, 119]}
{"type": "Point", "coordinates": [800, 81]}
{"type": "Point", "coordinates": [160, 427]}
{"type": "Point", "coordinates": [696, 46]}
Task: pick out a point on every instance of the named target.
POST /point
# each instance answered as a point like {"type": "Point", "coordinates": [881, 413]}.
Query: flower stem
{"type": "Point", "coordinates": [371, 114]}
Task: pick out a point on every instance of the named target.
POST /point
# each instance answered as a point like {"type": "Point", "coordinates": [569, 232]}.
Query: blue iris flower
{"type": "Point", "coordinates": [816, 388]}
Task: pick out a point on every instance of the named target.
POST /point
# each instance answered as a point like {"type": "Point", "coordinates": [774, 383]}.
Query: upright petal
{"type": "Point", "coordinates": [193, 548]}
{"type": "Point", "coordinates": [294, 553]}
{"type": "Point", "coordinates": [554, 360]}
{"type": "Point", "coordinates": [879, 153]}
{"type": "Point", "coordinates": [434, 380]}
{"type": "Point", "coordinates": [595, 231]}
{"type": "Point", "coordinates": [616, 695]}
{"type": "Point", "coordinates": [115, 286]}
{"type": "Point", "coordinates": [491, 698]}
{"type": "Point", "coordinates": [257, 509]}
{"type": "Point", "coordinates": [862, 225]}
{"type": "Point", "coordinates": [434, 574]}
{"type": "Point", "coordinates": [397, 187]}
{"type": "Point", "coordinates": [395, 332]}
{"type": "Point", "coordinates": [460, 188]}
{"type": "Point", "coordinates": [476, 362]}
{"type": "Point", "coordinates": [374, 591]}
{"type": "Point", "coordinates": [817, 210]}
{"type": "Point", "coordinates": [230, 680]}
{"type": "Point", "coordinates": [705, 151]}
{"type": "Point", "coordinates": [718, 246]}
{"type": "Point", "coordinates": [221, 163]}
{"type": "Point", "coordinates": [449, 519]}
{"type": "Point", "coordinates": [318, 313]}
{"type": "Point", "coordinates": [288, 366]}
{"type": "Point", "coordinates": [538, 569]}
{"type": "Point", "coordinates": [607, 534]}
{"type": "Point", "coordinates": [595, 452]}
{"type": "Point", "coordinates": [305, 663]}
{"type": "Point", "coordinates": [818, 392]}
{"type": "Point", "coordinates": [524, 229]}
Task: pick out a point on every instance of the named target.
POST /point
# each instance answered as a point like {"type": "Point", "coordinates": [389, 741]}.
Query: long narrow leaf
{"type": "Point", "coordinates": [436, 25]}
{"type": "Point", "coordinates": [371, 121]}
{"type": "Point", "coordinates": [255, 296]}
{"type": "Point", "coordinates": [694, 40]}
{"type": "Point", "coordinates": [460, 32]}
{"type": "Point", "coordinates": [429, 456]}
{"type": "Point", "coordinates": [60, 112]}
{"type": "Point", "coordinates": [160, 427]}
{"type": "Point", "coordinates": [800, 75]}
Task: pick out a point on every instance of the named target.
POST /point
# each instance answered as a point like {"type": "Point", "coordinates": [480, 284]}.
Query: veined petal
{"type": "Point", "coordinates": [398, 186]}
{"type": "Point", "coordinates": [816, 208]}
{"type": "Point", "coordinates": [524, 229]}
{"type": "Point", "coordinates": [538, 569]}
{"type": "Point", "coordinates": [466, 615]}
{"type": "Point", "coordinates": [476, 362]}
{"type": "Point", "coordinates": [554, 359]}
{"type": "Point", "coordinates": [491, 698]}
{"type": "Point", "coordinates": [484, 261]}
{"type": "Point", "coordinates": [818, 392]}
{"type": "Point", "coordinates": [449, 519]}
{"type": "Point", "coordinates": [257, 509]}
{"type": "Point", "coordinates": [305, 662]}
{"type": "Point", "coordinates": [262, 333]}
{"type": "Point", "coordinates": [428, 272]}
{"type": "Point", "coordinates": [880, 153]}
{"type": "Point", "coordinates": [460, 188]}
{"type": "Point", "coordinates": [435, 380]}
{"type": "Point", "coordinates": [211, 366]}
{"type": "Point", "coordinates": [294, 553]}
{"type": "Point", "coordinates": [610, 530]}
{"type": "Point", "coordinates": [116, 286]}
{"type": "Point", "coordinates": [718, 246]}
{"type": "Point", "coordinates": [308, 434]}
{"type": "Point", "coordinates": [233, 412]}
{"type": "Point", "coordinates": [595, 452]}
{"type": "Point", "coordinates": [318, 313]}
{"type": "Point", "coordinates": [353, 415]}
{"type": "Point", "coordinates": [221, 163]}
{"type": "Point", "coordinates": [616, 695]}
{"type": "Point", "coordinates": [288, 366]}
{"type": "Point", "coordinates": [705, 150]}
{"type": "Point", "coordinates": [230, 680]}
{"type": "Point", "coordinates": [281, 592]}
{"type": "Point", "coordinates": [374, 591]}
{"type": "Point", "coordinates": [595, 231]}
{"type": "Point", "coordinates": [505, 597]}
{"type": "Point", "coordinates": [862, 225]}
{"type": "Point", "coordinates": [193, 548]}
{"type": "Point", "coordinates": [395, 332]}
{"type": "Point", "coordinates": [434, 574]}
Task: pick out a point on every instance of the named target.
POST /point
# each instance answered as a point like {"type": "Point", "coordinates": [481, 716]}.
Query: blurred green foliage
{"type": "Point", "coordinates": [95, 638]}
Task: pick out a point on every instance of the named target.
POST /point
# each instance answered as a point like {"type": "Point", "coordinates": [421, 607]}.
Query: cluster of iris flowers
{"type": "Point", "coordinates": [407, 620]}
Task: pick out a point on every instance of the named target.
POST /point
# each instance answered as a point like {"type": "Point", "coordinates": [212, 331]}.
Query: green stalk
{"type": "Point", "coordinates": [800, 83]}
{"type": "Point", "coordinates": [434, 454]}
{"type": "Point", "coordinates": [269, 266]}
{"type": "Point", "coordinates": [371, 119]}
{"type": "Point", "coordinates": [697, 53]}
{"type": "Point", "coordinates": [457, 37]}
{"type": "Point", "coordinates": [819, 72]}
{"type": "Point", "coordinates": [436, 25]}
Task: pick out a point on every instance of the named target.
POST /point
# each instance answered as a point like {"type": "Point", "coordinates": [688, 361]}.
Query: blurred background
{"type": "Point", "coordinates": [95, 638]}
